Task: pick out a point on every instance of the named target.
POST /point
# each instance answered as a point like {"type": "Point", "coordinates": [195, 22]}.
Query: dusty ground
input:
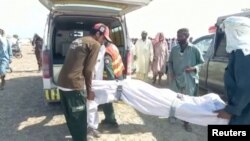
{"type": "Point", "coordinates": [25, 116]}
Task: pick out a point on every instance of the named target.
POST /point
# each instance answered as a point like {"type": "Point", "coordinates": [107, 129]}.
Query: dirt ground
{"type": "Point", "coordinates": [25, 116]}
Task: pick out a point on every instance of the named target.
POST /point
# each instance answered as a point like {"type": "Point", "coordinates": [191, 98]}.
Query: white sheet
{"type": "Point", "coordinates": [157, 102]}
{"type": "Point", "coordinates": [237, 31]}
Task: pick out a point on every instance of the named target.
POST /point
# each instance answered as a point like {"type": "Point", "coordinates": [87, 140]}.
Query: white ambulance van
{"type": "Point", "coordinates": [71, 19]}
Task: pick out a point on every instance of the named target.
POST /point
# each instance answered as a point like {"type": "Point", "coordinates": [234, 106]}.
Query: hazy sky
{"type": "Point", "coordinates": [25, 17]}
{"type": "Point", "coordinates": [170, 15]}
{"type": "Point", "coordinates": [22, 17]}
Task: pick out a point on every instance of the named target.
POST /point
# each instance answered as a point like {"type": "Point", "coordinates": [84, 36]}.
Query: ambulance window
{"type": "Point", "coordinates": [117, 36]}
{"type": "Point", "coordinates": [76, 33]}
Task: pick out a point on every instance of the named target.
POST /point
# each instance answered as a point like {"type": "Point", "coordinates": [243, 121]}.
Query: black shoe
{"type": "Point", "coordinates": [109, 123]}
{"type": "Point", "coordinates": [109, 127]}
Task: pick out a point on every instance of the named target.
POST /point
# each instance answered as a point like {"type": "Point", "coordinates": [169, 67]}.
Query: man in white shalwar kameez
{"type": "Point", "coordinates": [143, 56]}
{"type": "Point", "coordinates": [92, 117]}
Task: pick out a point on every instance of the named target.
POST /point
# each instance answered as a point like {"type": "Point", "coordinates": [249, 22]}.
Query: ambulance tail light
{"type": "Point", "coordinates": [46, 64]}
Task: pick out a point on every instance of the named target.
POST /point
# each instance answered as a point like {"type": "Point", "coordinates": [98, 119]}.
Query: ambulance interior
{"type": "Point", "coordinates": [69, 28]}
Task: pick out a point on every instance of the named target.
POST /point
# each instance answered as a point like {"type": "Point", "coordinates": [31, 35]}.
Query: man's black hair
{"type": "Point", "coordinates": [144, 32]}
{"type": "Point", "coordinates": [184, 30]}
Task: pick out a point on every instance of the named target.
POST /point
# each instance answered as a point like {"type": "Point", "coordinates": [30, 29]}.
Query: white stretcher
{"type": "Point", "coordinates": [154, 101]}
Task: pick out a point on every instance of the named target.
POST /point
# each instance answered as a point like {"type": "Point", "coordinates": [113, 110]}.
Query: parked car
{"type": "Point", "coordinates": [216, 58]}
{"type": "Point", "coordinates": [203, 43]}
{"type": "Point", "coordinates": [69, 20]}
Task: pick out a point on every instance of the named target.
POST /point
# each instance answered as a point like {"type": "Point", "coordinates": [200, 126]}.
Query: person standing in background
{"type": "Point", "coordinates": [173, 43]}
{"type": "Point", "coordinates": [160, 58]}
{"type": "Point", "coordinates": [37, 42]}
{"type": "Point", "coordinates": [184, 63]}
{"type": "Point", "coordinates": [143, 56]}
{"type": "Point", "coordinates": [5, 57]}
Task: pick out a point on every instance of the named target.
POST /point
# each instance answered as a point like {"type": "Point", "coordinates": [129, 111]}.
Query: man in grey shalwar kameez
{"type": "Point", "coordinates": [184, 63]}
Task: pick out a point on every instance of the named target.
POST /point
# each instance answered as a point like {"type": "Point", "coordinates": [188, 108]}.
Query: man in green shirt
{"type": "Point", "coordinates": [184, 63]}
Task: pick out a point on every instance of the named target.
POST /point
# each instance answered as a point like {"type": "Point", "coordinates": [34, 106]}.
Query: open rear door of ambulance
{"type": "Point", "coordinates": [95, 7]}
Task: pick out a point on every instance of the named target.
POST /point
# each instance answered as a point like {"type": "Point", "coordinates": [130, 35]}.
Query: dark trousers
{"type": "Point", "coordinates": [109, 113]}
{"type": "Point", "coordinates": [75, 112]}
{"type": "Point", "coordinates": [38, 57]}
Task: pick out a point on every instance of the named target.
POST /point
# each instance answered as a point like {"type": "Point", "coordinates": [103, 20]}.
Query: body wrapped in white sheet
{"type": "Point", "coordinates": [158, 102]}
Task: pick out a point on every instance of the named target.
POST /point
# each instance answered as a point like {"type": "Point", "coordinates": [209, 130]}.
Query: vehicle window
{"type": "Point", "coordinates": [118, 39]}
{"type": "Point", "coordinates": [62, 42]}
{"type": "Point", "coordinates": [204, 44]}
{"type": "Point", "coordinates": [76, 33]}
{"type": "Point", "coordinates": [117, 36]}
{"type": "Point", "coordinates": [220, 46]}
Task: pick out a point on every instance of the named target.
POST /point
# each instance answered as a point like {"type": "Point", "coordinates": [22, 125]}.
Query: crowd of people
{"type": "Point", "coordinates": [96, 57]}
{"type": "Point", "coordinates": [181, 64]}
{"type": "Point", "coordinates": [157, 52]}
